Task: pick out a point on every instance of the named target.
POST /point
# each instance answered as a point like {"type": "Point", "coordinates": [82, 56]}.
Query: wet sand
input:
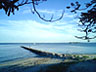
{"type": "Point", "coordinates": [67, 63]}
{"type": "Point", "coordinates": [46, 64]}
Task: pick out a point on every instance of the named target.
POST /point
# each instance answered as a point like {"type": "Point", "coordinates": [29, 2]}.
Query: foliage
{"type": "Point", "coordinates": [9, 6]}
{"type": "Point", "coordinates": [94, 58]}
{"type": "Point", "coordinates": [87, 19]}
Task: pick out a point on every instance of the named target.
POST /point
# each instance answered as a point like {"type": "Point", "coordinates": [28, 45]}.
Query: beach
{"type": "Point", "coordinates": [54, 63]}
{"type": "Point", "coordinates": [48, 64]}
{"type": "Point", "coordinates": [46, 61]}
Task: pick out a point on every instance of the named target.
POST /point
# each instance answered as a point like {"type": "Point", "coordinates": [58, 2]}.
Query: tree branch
{"type": "Point", "coordinates": [47, 20]}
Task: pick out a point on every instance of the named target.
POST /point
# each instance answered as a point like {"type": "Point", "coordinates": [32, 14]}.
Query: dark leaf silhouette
{"type": "Point", "coordinates": [9, 7]}
{"type": "Point", "coordinates": [68, 7]}
{"type": "Point", "coordinates": [72, 4]}
{"type": "Point", "coordinates": [87, 19]}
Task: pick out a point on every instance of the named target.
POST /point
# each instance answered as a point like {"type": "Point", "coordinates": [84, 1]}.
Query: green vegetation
{"type": "Point", "coordinates": [94, 58]}
{"type": "Point", "coordinates": [80, 58]}
{"type": "Point", "coordinates": [77, 57]}
{"type": "Point", "coordinates": [85, 57]}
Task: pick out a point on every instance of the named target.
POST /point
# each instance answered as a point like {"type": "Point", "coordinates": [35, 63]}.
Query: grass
{"type": "Point", "coordinates": [94, 58]}
{"type": "Point", "coordinates": [85, 57]}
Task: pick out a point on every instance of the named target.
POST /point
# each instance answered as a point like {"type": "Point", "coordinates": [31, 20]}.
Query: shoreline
{"type": "Point", "coordinates": [70, 63]}
{"type": "Point", "coordinates": [59, 55]}
{"type": "Point", "coordinates": [46, 64]}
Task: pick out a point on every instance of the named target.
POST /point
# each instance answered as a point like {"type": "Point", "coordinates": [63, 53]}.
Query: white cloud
{"type": "Point", "coordinates": [70, 15]}
{"type": "Point", "coordinates": [40, 10]}
{"type": "Point", "coordinates": [27, 11]}
{"type": "Point", "coordinates": [44, 11]}
{"type": "Point", "coordinates": [30, 30]}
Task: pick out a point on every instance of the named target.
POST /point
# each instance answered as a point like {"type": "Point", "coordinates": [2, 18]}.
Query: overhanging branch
{"type": "Point", "coordinates": [47, 20]}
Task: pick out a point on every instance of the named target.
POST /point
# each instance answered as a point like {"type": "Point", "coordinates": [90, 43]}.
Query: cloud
{"type": "Point", "coordinates": [28, 10]}
{"type": "Point", "coordinates": [70, 15]}
{"type": "Point", "coordinates": [47, 11]}
{"type": "Point", "coordinates": [47, 14]}
{"type": "Point", "coordinates": [31, 30]}
{"type": "Point", "coordinates": [30, 25]}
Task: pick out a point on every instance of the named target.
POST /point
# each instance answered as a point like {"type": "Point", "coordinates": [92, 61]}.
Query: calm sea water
{"type": "Point", "coordinates": [13, 51]}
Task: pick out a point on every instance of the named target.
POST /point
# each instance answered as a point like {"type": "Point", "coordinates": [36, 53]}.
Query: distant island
{"type": "Point", "coordinates": [74, 42]}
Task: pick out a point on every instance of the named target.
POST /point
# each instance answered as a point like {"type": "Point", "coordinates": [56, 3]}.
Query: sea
{"type": "Point", "coordinates": [13, 51]}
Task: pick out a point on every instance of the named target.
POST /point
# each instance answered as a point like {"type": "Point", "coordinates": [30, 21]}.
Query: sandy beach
{"type": "Point", "coordinates": [48, 64]}
{"type": "Point", "coordinates": [51, 62]}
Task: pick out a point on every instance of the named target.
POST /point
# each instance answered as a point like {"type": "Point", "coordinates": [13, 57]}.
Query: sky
{"type": "Point", "coordinates": [26, 27]}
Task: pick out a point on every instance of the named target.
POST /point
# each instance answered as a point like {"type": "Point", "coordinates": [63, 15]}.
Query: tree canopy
{"type": "Point", "coordinates": [9, 6]}
{"type": "Point", "coordinates": [87, 19]}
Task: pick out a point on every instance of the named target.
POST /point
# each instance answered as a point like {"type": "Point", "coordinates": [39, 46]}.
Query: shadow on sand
{"type": "Point", "coordinates": [44, 64]}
